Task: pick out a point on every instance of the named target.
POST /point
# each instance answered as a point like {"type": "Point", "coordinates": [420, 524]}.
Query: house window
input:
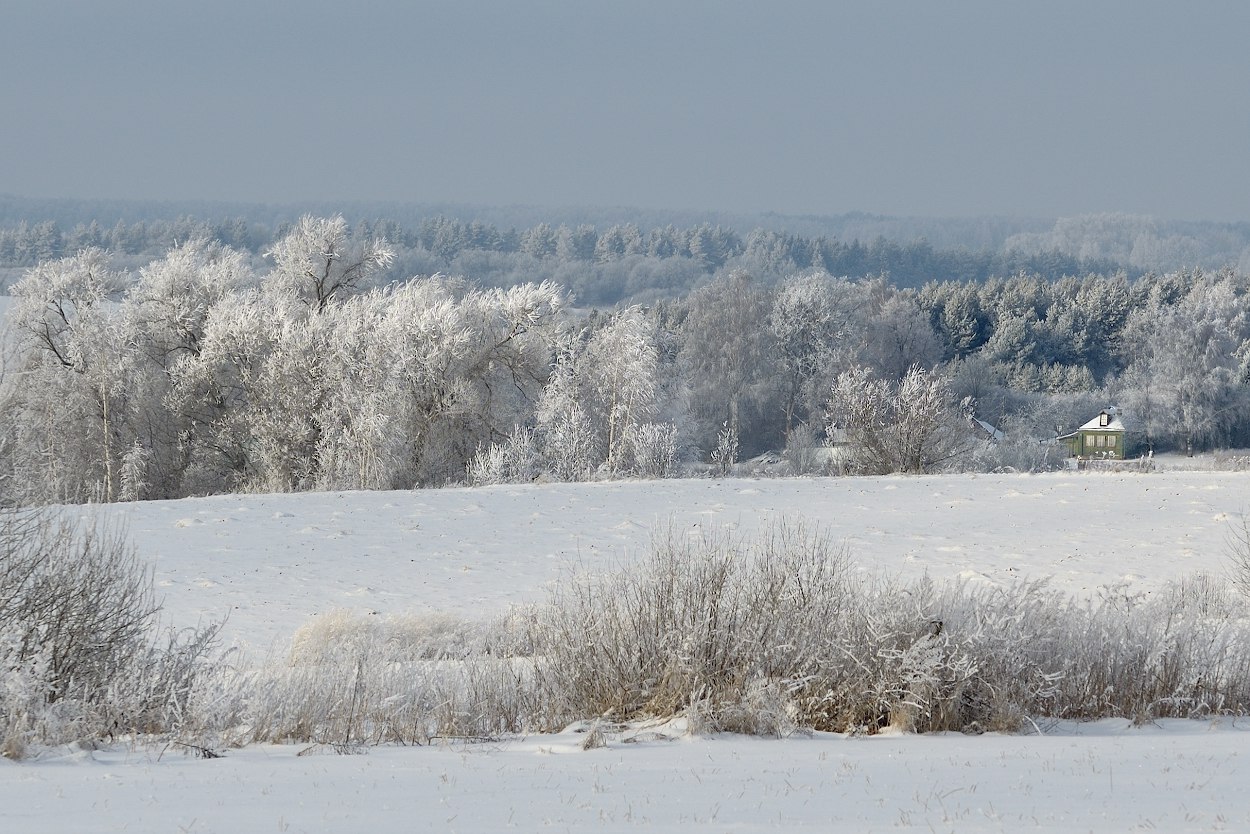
{"type": "Point", "coordinates": [1104, 419]}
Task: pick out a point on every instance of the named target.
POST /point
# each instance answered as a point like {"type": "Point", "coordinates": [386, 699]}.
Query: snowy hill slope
{"type": "Point", "coordinates": [271, 562]}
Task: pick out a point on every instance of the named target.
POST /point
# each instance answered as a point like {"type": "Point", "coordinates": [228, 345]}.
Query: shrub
{"type": "Point", "coordinates": [78, 601]}
{"type": "Point", "coordinates": [759, 635]}
{"type": "Point", "coordinates": [777, 633]}
{"type": "Point", "coordinates": [1237, 552]}
{"type": "Point", "coordinates": [768, 635]}
{"type": "Point", "coordinates": [79, 653]}
{"type": "Point", "coordinates": [725, 455]}
{"type": "Point", "coordinates": [655, 450]}
{"type": "Point", "coordinates": [913, 426]}
{"type": "Point", "coordinates": [804, 451]}
{"type": "Point", "coordinates": [514, 461]}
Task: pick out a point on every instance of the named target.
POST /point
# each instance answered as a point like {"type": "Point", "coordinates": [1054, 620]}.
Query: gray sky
{"type": "Point", "coordinates": [905, 108]}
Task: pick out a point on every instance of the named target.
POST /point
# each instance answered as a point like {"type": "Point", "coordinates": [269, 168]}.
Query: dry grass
{"type": "Point", "coordinates": [768, 636]}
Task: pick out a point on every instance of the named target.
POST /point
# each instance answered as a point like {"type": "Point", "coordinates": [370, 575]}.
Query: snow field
{"type": "Point", "coordinates": [277, 564]}
{"type": "Point", "coordinates": [271, 562]}
{"type": "Point", "coordinates": [1108, 776]}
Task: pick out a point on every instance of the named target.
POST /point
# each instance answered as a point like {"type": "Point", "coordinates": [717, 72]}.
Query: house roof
{"type": "Point", "coordinates": [990, 432]}
{"type": "Point", "coordinates": [1114, 423]}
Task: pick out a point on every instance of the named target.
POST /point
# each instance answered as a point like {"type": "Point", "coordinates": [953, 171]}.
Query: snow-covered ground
{"type": "Point", "coordinates": [273, 562]}
{"type": "Point", "coordinates": [1175, 776]}
{"type": "Point", "coordinates": [270, 562]}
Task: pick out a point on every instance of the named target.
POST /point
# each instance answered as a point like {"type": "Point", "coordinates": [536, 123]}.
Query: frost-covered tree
{"type": "Point", "coordinates": [540, 242]}
{"type": "Point", "coordinates": [727, 353]}
{"type": "Point", "coordinates": [167, 306]}
{"type": "Point", "coordinates": [598, 413]}
{"type": "Point", "coordinates": [99, 351]}
{"type": "Point", "coordinates": [455, 369]}
{"type": "Point", "coordinates": [911, 426]}
{"type": "Point", "coordinates": [320, 261]}
{"type": "Point", "coordinates": [810, 326]}
{"type": "Point", "coordinates": [163, 317]}
{"type": "Point", "coordinates": [1186, 381]}
{"type": "Point", "coordinates": [391, 388]}
{"type": "Point", "coordinates": [900, 337]}
{"type": "Point", "coordinates": [218, 389]}
{"type": "Point", "coordinates": [68, 400]}
{"type": "Point", "coordinates": [622, 366]}
{"type": "Point", "coordinates": [961, 321]}
{"type": "Point", "coordinates": [570, 444]}
{"type": "Point", "coordinates": [576, 244]}
{"type": "Point", "coordinates": [618, 242]}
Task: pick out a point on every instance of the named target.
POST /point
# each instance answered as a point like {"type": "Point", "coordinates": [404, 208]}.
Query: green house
{"type": "Point", "coordinates": [1101, 438]}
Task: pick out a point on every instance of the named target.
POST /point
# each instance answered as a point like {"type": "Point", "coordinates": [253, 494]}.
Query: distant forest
{"type": "Point", "coordinates": [609, 256]}
{"type": "Point", "coordinates": [602, 267]}
{"type": "Point", "coordinates": [166, 357]}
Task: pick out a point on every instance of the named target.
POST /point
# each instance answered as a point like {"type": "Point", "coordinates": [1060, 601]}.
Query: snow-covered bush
{"type": "Point", "coordinates": [352, 679]}
{"type": "Point", "coordinates": [725, 455]}
{"type": "Point", "coordinates": [763, 635]}
{"type": "Point", "coordinates": [771, 635]}
{"type": "Point", "coordinates": [736, 634]}
{"type": "Point", "coordinates": [513, 461]}
{"type": "Point", "coordinates": [915, 426]}
{"type": "Point", "coordinates": [329, 638]}
{"type": "Point", "coordinates": [654, 447]}
{"type": "Point", "coordinates": [804, 451]}
{"type": "Point", "coordinates": [1237, 551]}
{"type": "Point", "coordinates": [80, 656]}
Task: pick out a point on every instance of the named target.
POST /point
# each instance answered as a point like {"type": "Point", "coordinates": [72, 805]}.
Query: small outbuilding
{"type": "Point", "coordinates": [1102, 438]}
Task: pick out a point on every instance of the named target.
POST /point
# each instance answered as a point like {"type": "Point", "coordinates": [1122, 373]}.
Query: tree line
{"type": "Point", "coordinates": [206, 371]}
{"type": "Point", "coordinates": [620, 263]}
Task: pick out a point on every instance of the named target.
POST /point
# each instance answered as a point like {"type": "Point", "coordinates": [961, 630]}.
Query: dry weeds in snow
{"type": "Point", "coordinates": [770, 635]}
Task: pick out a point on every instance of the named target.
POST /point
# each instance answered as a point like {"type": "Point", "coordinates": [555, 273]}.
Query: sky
{"type": "Point", "coordinates": [794, 106]}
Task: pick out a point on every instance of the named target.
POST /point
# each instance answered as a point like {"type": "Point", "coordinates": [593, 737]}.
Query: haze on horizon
{"type": "Point", "coordinates": [798, 106]}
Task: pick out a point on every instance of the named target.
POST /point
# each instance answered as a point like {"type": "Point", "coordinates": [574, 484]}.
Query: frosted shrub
{"type": "Point", "coordinates": [1172, 655]}
{"type": "Point", "coordinates": [78, 655]}
{"type": "Point", "coordinates": [24, 690]}
{"type": "Point", "coordinates": [916, 425]}
{"type": "Point", "coordinates": [78, 596]}
{"type": "Point", "coordinates": [514, 461]}
{"type": "Point", "coordinates": [804, 451]}
{"type": "Point", "coordinates": [769, 635]}
{"type": "Point", "coordinates": [777, 633]}
{"type": "Point", "coordinates": [725, 455]}
{"type": "Point", "coordinates": [1237, 552]}
{"type": "Point", "coordinates": [655, 450]}
{"type": "Point", "coordinates": [707, 623]}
